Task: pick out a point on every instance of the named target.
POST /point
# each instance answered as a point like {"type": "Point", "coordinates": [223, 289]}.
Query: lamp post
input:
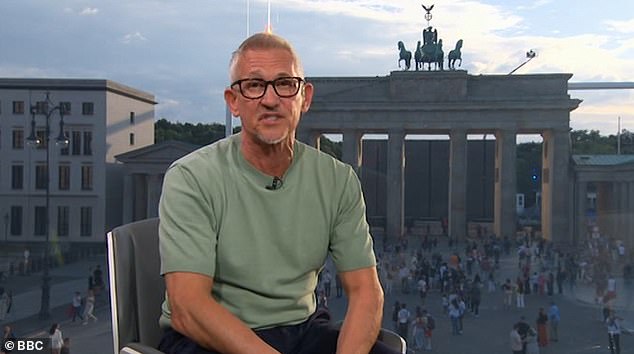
{"type": "Point", "coordinates": [6, 227]}
{"type": "Point", "coordinates": [47, 108]}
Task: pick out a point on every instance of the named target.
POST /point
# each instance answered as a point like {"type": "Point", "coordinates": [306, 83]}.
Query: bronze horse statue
{"type": "Point", "coordinates": [404, 55]}
{"type": "Point", "coordinates": [418, 57]}
{"type": "Point", "coordinates": [454, 55]}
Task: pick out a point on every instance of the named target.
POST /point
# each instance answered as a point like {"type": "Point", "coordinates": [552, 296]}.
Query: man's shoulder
{"type": "Point", "coordinates": [214, 154]}
{"type": "Point", "coordinates": [323, 159]}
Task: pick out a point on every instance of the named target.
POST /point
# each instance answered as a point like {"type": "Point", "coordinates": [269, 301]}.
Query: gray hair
{"type": "Point", "coordinates": [263, 41]}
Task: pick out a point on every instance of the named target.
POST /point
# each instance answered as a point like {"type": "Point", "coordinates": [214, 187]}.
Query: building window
{"type": "Point", "coordinates": [88, 143]}
{"type": "Point", "coordinates": [62, 221]}
{"type": "Point", "coordinates": [131, 138]}
{"type": "Point", "coordinates": [41, 137]}
{"type": "Point", "coordinates": [18, 107]}
{"type": "Point", "coordinates": [17, 177]}
{"type": "Point", "coordinates": [86, 177]}
{"type": "Point", "coordinates": [76, 143]}
{"type": "Point", "coordinates": [87, 108]}
{"type": "Point", "coordinates": [40, 221]}
{"type": "Point", "coordinates": [65, 150]}
{"type": "Point", "coordinates": [64, 177]}
{"type": "Point", "coordinates": [85, 228]}
{"type": "Point", "coordinates": [40, 177]}
{"type": "Point", "coordinates": [132, 118]}
{"type": "Point", "coordinates": [41, 107]}
{"type": "Point", "coordinates": [16, 220]}
{"type": "Point", "coordinates": [65, 108]}
{"type": "Point", "coordinates": [18, 139]}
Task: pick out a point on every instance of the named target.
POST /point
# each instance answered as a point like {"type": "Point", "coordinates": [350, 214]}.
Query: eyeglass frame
{"type": "Point", "coordinates": [266, 86]}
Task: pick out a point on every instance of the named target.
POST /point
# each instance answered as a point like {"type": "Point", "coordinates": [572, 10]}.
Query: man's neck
{"type": "Point", "coordinates": [270, 159]}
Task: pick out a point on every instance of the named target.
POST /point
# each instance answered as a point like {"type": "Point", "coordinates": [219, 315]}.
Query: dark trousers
{"type": "Point", "coordinates": [614, 343]}
{"type": "Point", "coordinates": [314, 336]}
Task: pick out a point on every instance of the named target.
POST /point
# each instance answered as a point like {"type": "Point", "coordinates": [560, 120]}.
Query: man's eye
{"type": "Point", "coordinates": [285, 83]}
{"type": "Point", "coordinates": [253, 84]}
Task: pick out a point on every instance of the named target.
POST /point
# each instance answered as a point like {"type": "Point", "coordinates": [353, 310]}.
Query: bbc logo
{"type": "Point", "coordinates": [26, 346]}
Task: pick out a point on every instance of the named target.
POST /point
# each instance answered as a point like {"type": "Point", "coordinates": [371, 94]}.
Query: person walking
{"type": "Point", "coordinates": [553, 318]}
{"type": "Point", "coordinates": [542, 332]}
{"type": "Point", "coordinates": [430, 325]}
{"type": "Point", "coordinates": [519, 293]}
{"type": "Point", "coordinates": [516, 341]}
{"type": "Point", "coordinates": [57, 340]}
{"type": "Point", "coordinates": [395, 309]}
{"type": "Point", "coordinates": [90, 307]}
{"type": "Point", "coordinates": [403, 321]}
{"type": "Point", "coordinates": [4, 303]}
{"type": "Point", "coordinates": [76, 306]}
{"type": "Point", "coordinates": [614, 333]}
{"type": "Point", "coordinates": [454, 316]}
{"type": "Point", "coordinates": [7, 335]}
{"type": "Point", "coordinates": [532, 347]}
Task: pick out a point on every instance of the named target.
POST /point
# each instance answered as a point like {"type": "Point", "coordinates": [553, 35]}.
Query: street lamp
{"type": "Point", "coordinates": [47, 108]}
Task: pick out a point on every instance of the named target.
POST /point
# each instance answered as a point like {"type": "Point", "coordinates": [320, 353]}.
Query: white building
{"type": "Point", "coordinates": [102, 119]}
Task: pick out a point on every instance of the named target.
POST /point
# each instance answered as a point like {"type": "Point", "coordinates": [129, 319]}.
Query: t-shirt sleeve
{"type": "Point", "coordinates": [187, 228]}
{"type": "Point", "coordinates": [350, 241]}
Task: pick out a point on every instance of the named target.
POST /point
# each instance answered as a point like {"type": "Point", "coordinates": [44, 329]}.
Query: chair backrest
{"type": "Point", "coordinates": [136, 286]}
{"type": "Point", "coordinates": [393, 340]}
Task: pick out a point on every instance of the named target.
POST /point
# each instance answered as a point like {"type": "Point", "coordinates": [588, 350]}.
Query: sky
{"type": "Point", "coordinates": [179, 50]}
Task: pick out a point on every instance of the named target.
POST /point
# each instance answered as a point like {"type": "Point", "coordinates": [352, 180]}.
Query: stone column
{"type": "Point", "coordinates": [395, 183]}
{"type": "Point", "coordinates": [351, 151]}
{"type": "Point", "coordinates": [555, 199]}
{"type": "Point", "coordinates": [153, 194]}
{"type": "Point", "coordinates": [505, 183]}
{"type": "Point", "coordinates": [604, 195]}
{"type": "Point", "coordinates": [581, 225]}
{"type": "Point", "coordinates": [128, 203]}
{"type": "Point", "coordinates": [308, 137]}
{"type": "Point", "coordinates": [458, 184]}
{"type": "Point", "coordinates": [621, 208]}
{"type": "Point", "coordinates": [629, 241]}
{"type": "Point", "coordinates": [140, 197]}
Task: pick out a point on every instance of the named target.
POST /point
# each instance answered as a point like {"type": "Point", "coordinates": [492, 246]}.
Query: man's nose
{"type": "Point", "coordinates": [270, 96]}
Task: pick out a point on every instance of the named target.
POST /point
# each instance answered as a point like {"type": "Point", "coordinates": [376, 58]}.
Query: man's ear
{"type": "Point", "coordinates": [231, 98]}
{"type": "Point", "coordinates": [308, 96]}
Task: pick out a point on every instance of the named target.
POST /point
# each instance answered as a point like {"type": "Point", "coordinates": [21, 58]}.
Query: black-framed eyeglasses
{"type": "Point", "coordinates": [256, 88]}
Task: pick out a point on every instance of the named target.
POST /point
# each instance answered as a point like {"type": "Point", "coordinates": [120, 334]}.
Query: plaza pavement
{"type": "Point", "coordinates": [581, 330]}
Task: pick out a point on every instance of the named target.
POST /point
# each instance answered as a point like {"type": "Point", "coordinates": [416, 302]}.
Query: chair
{"type": "Point", "coordinates": [137, 290]}
{"type": "Point", "coordinates": [393, 340]}
{"type": "Point", "coordinates": [136, 287]}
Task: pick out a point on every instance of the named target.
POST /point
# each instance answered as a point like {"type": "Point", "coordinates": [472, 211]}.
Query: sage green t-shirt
{"type": "Point", "coordinates": [264, 248]}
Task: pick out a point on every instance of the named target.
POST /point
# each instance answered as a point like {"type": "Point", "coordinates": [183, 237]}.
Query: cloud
{"type": "Point", "coordinates": [89, 11]}
{"type": "Point", "coordinates": [133, 37]}
{"type": "Point", "coordinates": [626, 27]}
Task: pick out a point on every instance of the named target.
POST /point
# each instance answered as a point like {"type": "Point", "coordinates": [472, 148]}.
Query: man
{"type": "Point", "coordinates": [247, 223]}
{"type": "Point", "coordinates": [403, 321]}
{"type": "Point", "coordinates": [553, 318]}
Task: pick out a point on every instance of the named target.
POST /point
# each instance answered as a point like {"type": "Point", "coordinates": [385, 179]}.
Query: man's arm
{"type": "Point", "coordinates": [198, 316]}
{"type": "Point", "coordinates": [363, 318]}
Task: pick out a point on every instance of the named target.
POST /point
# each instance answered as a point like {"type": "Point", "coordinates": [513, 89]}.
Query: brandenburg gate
{"type": "Point", "coordinates": [456, 104]}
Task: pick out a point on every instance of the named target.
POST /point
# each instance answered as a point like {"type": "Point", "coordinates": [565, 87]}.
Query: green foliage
{"type": "Point", "coordinates": [529, 155]}
{"type": "Point", "coordinates": [199, 134]}
{"type": "Point", "coordinates": [330, 147]}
